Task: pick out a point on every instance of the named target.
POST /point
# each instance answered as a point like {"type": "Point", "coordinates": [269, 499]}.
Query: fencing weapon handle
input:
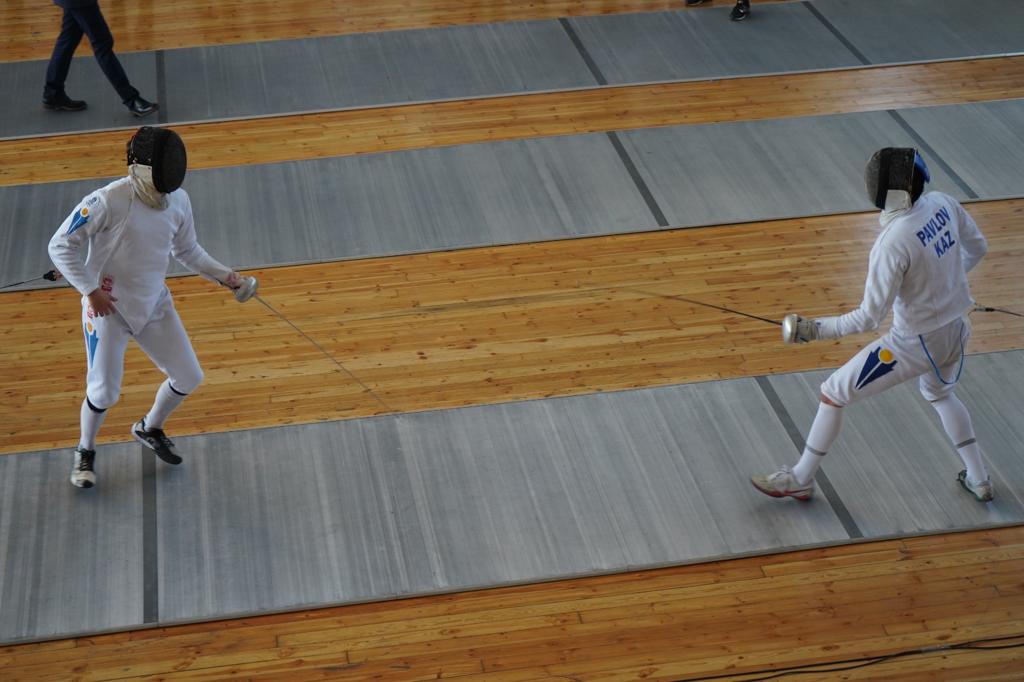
{"type": "Point", "coordinates": [247, 289]}
{"type": "Point", "coordinates": [789, 328]}
{"type": "Point", "coordinates": [51, 276]}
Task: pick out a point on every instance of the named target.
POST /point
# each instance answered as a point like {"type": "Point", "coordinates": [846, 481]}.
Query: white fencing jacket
{"type": "Point", "coordinates": [918, 266]}
{"type": "Point", "coordinates": [115, 241]}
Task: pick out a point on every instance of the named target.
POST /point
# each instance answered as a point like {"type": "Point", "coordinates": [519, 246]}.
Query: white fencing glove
{"type": "Point", "coordinates": [796, 329]}
{"type": "Point", "coordinates": [244, 287]}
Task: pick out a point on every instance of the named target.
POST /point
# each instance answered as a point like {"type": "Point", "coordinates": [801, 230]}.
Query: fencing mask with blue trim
{"type": "Point", "coordinates": [895, 177]}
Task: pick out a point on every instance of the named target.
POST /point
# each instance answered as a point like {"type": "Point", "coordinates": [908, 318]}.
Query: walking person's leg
{"type": "Point", "coordinates": [91, 21]}
{"type": "Point", "coordinates": [54, 96]}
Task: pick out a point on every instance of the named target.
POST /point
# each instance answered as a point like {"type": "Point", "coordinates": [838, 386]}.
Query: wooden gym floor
{"type": "Point", "coordinates": [490, 325]}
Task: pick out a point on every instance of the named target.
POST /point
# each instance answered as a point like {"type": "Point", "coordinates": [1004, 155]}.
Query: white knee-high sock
{"type": "Point", "coordinates": [956, 420]}
{"type": "Point", "coordinates": [167, 399]}
{"type": "Point", "coordinates": [91, 423]}
{"type": "Point", "coordinates": [823, 433]}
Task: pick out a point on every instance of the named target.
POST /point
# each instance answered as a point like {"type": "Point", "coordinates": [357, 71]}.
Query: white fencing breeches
{"type": "Point", "coordinates": [163, 339]}
{"type": "Point", "coordinates": [934, 358]}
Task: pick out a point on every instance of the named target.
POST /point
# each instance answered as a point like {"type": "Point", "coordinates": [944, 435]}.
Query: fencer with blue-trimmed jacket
{"type": "Point", "coordinates": [115, 241]}
{"type": "Point", "coordinates": [115, 237]}
{"type": "Point", "coordinates": [918, 267]}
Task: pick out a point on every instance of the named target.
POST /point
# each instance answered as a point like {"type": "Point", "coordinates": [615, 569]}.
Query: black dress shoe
{"type": "Point", "coordinates": [691, 3]}
{"type": "Point", "coordinates": [62, 102]}
{"type": "Point", "coordinates": [741, 11]}
{"type": "Point", "coordinates": [140, 107]}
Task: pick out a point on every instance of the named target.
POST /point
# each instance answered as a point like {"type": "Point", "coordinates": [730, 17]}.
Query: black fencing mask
{"type": "Point", "coordinates": [163, 151]}
{"type": "Point", "coordinates": [890, 177]}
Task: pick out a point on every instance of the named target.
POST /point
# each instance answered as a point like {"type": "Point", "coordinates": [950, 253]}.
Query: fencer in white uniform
{"type": "Point", "coordinates": [114, 249]}
{"type": "Point", "coordinates": [918, 268]}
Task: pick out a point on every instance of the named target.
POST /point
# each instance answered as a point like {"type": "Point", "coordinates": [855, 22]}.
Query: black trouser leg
{"type": "Point", "coordinates": [60, 60]}
{"type": "Point", "coordinates": [91, 21]}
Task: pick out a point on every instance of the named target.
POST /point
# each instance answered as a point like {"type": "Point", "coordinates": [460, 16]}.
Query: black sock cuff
{"type": "Point", "coordinates": [170, 386]}
{"type": "Point", "coordinates": [93, 407]}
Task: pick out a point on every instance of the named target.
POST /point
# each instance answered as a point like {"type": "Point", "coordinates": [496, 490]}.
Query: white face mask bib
{"type": "Point", "coordinates": [889, 215]}
{"type": "Point", "coordinates": [142, 183]}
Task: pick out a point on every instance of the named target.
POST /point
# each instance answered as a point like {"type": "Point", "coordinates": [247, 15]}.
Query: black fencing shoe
{"type": "Point", "coordinates": [82, 475]}
{"type": "Point", "coordinates": [741, 11]}
{"type": "Point", "coordinates": [140, 107]}
{"type": "Point", "coordinates": [62, 102]}
{"type": "Point", "coordinates": [157, 441]}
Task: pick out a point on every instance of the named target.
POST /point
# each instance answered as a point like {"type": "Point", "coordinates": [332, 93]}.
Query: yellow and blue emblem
{"type": "Point", "coordinates": [880, 362]}
{"type": "Point", "coordinates": [80, 217]}
{"type": "Point", "coordinates": [92, 339]}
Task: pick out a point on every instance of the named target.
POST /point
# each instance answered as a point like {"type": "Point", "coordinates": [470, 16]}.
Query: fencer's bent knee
{"type": "Point", "coordinates": [185, 382]}
{"type": "Point", "coordinates": [934, 394]}
{"type": "Point", "coordinates": [103, 399]}
{"type": "Point", "coordinates": [97, 410]}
